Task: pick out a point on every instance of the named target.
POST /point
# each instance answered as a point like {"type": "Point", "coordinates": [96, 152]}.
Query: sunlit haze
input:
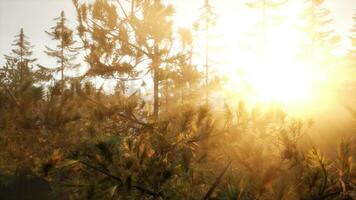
{"type": "Point", "coordinates": [283, 75]}
{"type": "Point", "coordinates": [178, 99]}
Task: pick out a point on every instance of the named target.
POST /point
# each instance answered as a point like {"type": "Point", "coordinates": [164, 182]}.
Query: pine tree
{"type": "Point", "coordinates": [321, 38]}
{"type": "Point", "coordinates": [118, 44]}
{"type": "Point", "coordinates": [19, 60]}
{"type": "Point", "coordinates": [181, 79]}
{"type": "Point", "coordinates": [156, 25]}
{"type": "Point", "coordinates": [186, 80]}
{"type": "Point", "coordinates": [265, 6]}
{"type": "Point", "coordinates": [187, 76]}
{"type": "Point", "coordinates": [65, 53]}
{"type": "Point", "coordinates": [18, 77]}
{"type": "Point", "coordinates": [209, 19]}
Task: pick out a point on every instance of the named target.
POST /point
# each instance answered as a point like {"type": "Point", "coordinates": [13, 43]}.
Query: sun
{"type": "Point", "coordinates": [280, 76]}
{"type": "Point", "coordinates": [286, 83]}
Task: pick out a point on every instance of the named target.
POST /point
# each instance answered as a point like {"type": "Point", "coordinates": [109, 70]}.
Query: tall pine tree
{"type": "Point", "coordinates": [264, 6]}
{"type": "Point", "coordinates": [65, 53]}
{"type": "Point", "coordinates": [18, 62]}
{"type": "Point", "coordinates": [322, 39]}
{"type": "Point", "coordinates": [182, 78]}
{"type": "Point", "coordinates": [18, 77]}
{"type": "Point", "coordinates": [209, 18]}
{"type": "Point", "coordinates": [119, 39]}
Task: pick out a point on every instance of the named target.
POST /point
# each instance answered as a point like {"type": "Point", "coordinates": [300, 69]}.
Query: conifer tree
{"type": "Point", "coordinates": [186, 79]}
{"type": "Point", "coordinates": [265, 6]}
{"type": "Point", "coordinates": [182, 77]}
{"type": "Point", "coordinates": [19, 79]}
{"type": "Point", "coordinates": [156, 25]}
{"type": "Point", "coordinates": [65, 53]}
{"type": "Point", "coordinates": [209, 18]}
{"type": "Point", "coordinates": [19, 60]}
{"type": "Point", "coordinates": [321, 38]}
{"type": "Point", "coordinates": [186, 76]}
{"type": "Point", "coordinates": [118, 44]}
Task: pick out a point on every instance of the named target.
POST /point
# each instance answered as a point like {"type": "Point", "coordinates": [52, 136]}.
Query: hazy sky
{"type": "Point", "coordinates": [35, 16]}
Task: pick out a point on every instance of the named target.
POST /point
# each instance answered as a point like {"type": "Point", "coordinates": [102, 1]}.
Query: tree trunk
{"type": "Point", "coordinates": [62, 70]}
{"type": "Point", "coordinates": [166, 89]}
{"type": "Point", "coordinates": [207, 55]}
{"type": "Point", "coordinates": [62, 51]}
{"type": "Point", "coordinates": [155, 65]}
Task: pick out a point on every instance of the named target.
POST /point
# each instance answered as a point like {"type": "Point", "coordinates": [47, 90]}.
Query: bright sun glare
{"type": "Point", "coordinates": [280, 77]}
{"type": "Point", "coordinates": [285, 83]}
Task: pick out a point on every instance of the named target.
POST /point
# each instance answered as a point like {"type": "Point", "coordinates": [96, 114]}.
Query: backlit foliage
{"type": "Point", "coordinates": [92, 143]}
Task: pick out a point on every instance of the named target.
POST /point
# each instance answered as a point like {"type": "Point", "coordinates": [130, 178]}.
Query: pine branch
{"type": "Point", "coordinates": [121, 39]}
{"type": "Point", "coordinates": [116, 178]}
{"type": "Point", "coordinates": [10, 94]}
{"type": "Point", "coordinates": [101, 171]}
{"type": "Point", "coordinates": [146, 191]}
{"type": "Point", "coordinates": [216, 183]}
{"type": "Point", "coordinates": [134, 119]}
